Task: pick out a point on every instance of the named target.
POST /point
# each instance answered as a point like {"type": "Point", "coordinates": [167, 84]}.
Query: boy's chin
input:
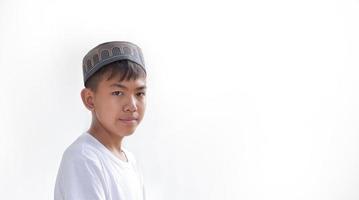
{"type": "Point", "coordinates": [129, 133]}
{"type": "Point", "coordinates": [126, 133]}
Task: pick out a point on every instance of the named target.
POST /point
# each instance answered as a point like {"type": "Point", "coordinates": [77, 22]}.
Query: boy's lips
{"type": "Point", "coordinates": [129, 120]}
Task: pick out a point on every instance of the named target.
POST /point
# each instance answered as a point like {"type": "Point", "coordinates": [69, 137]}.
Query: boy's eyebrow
{"type": "Point", "coordinates": [124, 87]}
{"type": "Point", "coordinates": [141, 88]}
{"type": "Point", "coordinates": [118, 85]}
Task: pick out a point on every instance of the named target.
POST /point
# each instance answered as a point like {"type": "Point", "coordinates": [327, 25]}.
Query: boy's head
{"type": "Point", "coordinates": [115, 87]}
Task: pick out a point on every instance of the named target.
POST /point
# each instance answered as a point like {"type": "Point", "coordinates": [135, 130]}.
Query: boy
{"type": "Point", "coordinates": [96, 166]}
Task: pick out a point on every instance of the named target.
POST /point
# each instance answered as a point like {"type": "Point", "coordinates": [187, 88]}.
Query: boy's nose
{"type": "Point", "coordinates": [130, 106]}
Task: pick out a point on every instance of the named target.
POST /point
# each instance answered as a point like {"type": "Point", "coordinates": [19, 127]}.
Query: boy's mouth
{"type": "Point", "coordinates": [129, 121]}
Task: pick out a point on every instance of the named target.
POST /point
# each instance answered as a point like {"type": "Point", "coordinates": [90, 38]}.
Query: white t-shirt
{"type": "Point", "coordinates": [89, 171]}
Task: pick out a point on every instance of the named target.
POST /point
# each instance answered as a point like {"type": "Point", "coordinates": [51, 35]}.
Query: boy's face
{"type": "Point", "coordinates": [118, 107]}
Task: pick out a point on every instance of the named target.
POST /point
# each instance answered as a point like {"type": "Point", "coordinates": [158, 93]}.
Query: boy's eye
{"type": "Point", "coordinates": [141, 94]}
{"type": "Point", "coordinates": [117, 93]}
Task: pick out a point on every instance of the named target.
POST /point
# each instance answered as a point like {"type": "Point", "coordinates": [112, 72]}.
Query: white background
{"type": "Point", "coordinates": [247, 100]}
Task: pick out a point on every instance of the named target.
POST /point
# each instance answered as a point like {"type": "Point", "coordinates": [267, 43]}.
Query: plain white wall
{"type": "Point", "coordinates": [250, 100]}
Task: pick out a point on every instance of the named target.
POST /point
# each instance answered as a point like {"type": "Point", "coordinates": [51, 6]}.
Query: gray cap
{"type": "Point", "coordinates": [109, 52]}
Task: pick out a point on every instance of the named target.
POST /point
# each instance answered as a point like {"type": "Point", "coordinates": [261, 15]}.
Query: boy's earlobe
{"type": "Point", "coordinates": [87, 99]}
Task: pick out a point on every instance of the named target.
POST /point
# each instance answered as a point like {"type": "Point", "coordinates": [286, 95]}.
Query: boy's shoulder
{"type": "Point", "coordinates": [87, 149]}
{"type": "Point", "coordinates": [82, 149]}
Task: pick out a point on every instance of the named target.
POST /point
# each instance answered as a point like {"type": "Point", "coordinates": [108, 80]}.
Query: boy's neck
{"type": "Point", "coordinates": [111, 141]}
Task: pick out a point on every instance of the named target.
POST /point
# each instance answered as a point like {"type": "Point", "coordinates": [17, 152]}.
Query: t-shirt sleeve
{"type": "Point", "coordinates": [138, 167]}
{"type": "Point", "coordinates": [143, 189]}
{"type": "Point", "coordinates": [142, 185]}
{"type": "Point", "coordinates": [80, 178]}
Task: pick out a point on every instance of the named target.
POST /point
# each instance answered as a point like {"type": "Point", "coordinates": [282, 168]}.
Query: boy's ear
{"type": "Point", "coordinates": [87, 98]}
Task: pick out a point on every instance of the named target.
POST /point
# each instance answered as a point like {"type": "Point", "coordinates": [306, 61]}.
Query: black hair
{"type": "Point", "coordinates": [125, 69]}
